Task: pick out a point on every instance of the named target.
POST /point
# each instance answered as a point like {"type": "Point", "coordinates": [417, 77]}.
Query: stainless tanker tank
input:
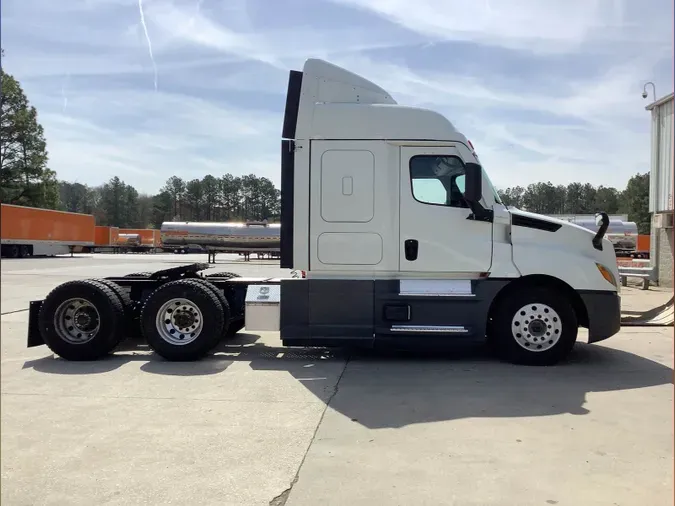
{"type": "Point", "coordinates": [129, 240]}
{"type": "Point", "coordinates": [623, 234]}
{"type": "Point", "coordinates": [250, 236]}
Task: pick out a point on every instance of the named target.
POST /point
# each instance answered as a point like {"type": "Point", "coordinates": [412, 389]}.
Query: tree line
{"type": "Point", "coordinates": [26, 179]}
{"type": "Point", "coordinates": [226, 198]}
{"type": "Point", "coordinates": [579, 198]}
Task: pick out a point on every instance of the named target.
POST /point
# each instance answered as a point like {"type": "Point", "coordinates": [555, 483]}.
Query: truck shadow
{"type": "Point", "coordinates": [390, 390]}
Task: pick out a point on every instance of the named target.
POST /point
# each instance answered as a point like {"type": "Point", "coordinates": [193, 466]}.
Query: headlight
{"type": "Point", "coordinates": [607, 274]}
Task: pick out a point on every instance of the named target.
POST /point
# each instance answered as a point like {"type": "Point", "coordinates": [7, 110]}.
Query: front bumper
{"type": "Point", "coordinates": [604, 314]}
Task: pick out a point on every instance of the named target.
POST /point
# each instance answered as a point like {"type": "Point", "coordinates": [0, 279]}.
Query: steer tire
{"type": "Point", "coordinates": [534, 326]}
{"type": "Point", "coordinates": [109, 314]}
{"type": "Point", "coordinates": [170, 340]}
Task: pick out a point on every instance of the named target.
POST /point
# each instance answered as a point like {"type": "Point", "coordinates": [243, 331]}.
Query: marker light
{"type": "Point", "coordinates": [606, 273]}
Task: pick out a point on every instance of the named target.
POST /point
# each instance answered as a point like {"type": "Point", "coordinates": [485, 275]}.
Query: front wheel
{"type": "Point", "coordinates": [537, 326]}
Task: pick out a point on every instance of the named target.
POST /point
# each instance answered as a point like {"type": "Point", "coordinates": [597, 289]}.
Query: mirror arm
{"type": "Point", "coordinates": [479, 213]}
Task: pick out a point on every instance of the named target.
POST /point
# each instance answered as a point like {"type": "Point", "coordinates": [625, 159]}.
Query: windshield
{"type": "Point", "coordinates": [492, 188]}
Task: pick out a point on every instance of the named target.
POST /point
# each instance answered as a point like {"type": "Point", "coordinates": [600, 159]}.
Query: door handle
{"type": "Point", "coordinates": [410, 246]}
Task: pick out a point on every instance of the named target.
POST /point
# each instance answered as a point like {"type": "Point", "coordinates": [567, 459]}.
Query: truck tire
{"type": "Point", "coordinates": [82, 320]}
{"type": "Point", "coordinates": [127, 304]}
{"type": "Point", "coordinates": [235, 326]}
{"type": "Point", "coordinates": [182, 320]}
{"type": "Point", "coordinates": [13, 251]}
{"type": "Point", "coordinates": [223, 302]}
{"type": "Point", "coordinates": [226, 275]}
{"type": "Point", "coordinates": [24, 251]}
{"type": "Point", "coordinates": [535, 326]}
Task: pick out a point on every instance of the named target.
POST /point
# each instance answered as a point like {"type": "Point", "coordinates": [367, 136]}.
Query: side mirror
{"type": "Point", "coordinates": [473, 182]}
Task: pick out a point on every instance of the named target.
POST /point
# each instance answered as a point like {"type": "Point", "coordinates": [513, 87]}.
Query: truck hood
{"type": "Point", "coordinates": [559, 247]}
{"type": "Point", "coordinates": [547, 219]}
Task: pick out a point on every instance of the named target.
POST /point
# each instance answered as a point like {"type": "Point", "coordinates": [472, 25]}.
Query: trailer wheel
{"type": "Point", "coordinates": [82, 320]}
{"type": "Point", "coordinates": [13, 251]}
{"type": "Point", "coordinates": [182, 320]}
{"type": "Point", "coordinates": [534, 327]}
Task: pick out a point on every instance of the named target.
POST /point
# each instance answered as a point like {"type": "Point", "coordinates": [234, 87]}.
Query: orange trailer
{"type": "Point", "coordinates": [106, 236]}
{"type": "Point", "coordinates": [29, 231]}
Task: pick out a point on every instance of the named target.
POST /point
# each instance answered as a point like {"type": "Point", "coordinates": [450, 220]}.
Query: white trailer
{"type": "Point", "coordinates": [400, 236]}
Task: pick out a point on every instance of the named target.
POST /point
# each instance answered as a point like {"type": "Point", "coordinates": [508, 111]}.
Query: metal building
{"type": "Point", "coordinates": [661, 188]}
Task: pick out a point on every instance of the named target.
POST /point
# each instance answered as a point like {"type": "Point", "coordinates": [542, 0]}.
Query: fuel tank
{"type": "Point", "coordinates": [249, 236]}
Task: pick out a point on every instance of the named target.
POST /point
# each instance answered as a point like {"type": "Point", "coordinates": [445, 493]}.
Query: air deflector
{"type": "Point", "coordinates": [292, 104]}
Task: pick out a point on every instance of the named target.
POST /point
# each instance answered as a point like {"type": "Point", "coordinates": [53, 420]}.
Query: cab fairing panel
{"type": "Point", "coordinates": [373, 247]}
{"type": "Point", "coordinates": [382, 122]}
{"type": "Point", "coordinates": [567, 254]}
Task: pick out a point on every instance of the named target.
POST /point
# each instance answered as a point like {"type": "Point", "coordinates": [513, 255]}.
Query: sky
{"type": "Point", "coordinates": [545, 90]}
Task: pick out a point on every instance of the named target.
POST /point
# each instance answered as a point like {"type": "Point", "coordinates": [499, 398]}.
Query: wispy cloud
{"type": "Point", "coordinates": [545, 90]}
{"type": "Point", "coordinates": [147, 38]}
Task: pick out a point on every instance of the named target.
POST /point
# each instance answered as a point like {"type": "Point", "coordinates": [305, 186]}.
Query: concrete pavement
{"type": "Point", "coordinates": [258, 424]}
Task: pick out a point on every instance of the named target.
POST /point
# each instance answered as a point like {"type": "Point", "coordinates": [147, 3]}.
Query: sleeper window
{"type": "Point", "coordinates": [438, 180]}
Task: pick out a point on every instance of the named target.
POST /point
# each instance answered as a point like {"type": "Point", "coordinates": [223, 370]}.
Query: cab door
{"type": "Point", "coordinates": [437, 232]}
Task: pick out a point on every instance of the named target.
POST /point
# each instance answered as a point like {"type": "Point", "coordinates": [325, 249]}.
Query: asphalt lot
{"type": "Point", "coordinates": [258, 424]}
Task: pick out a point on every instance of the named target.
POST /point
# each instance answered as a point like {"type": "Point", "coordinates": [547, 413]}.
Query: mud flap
{"type": "Point", "coordinates": [34, 336]}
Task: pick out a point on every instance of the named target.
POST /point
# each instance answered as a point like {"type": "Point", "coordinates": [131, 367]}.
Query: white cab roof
{"type": "Point", "coordinates": [338, 104]}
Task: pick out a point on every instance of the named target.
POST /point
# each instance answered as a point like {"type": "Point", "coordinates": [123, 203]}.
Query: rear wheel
{"type": "Point", "coordinates": [235, 327]}
{"type": "Point", "coordinates": [223, 302]}
{"type": "Point", "coordinates": [537, 326]}
{"type": "Point", "coordinates": [127, 304]}
{"type": "Point", "coordinates": [82, 320]}
{"type": "Point", "coordinates": [182, 320]}
{"type": "Point", "coordinates": [13, 251]}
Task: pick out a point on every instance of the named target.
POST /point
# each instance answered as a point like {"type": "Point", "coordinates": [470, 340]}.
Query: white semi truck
{"type": "Point", "coordinates": [401, 240]}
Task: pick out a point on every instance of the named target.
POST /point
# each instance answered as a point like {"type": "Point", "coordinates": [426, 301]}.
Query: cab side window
{"type": "Point", "coordinates": [438, 180]}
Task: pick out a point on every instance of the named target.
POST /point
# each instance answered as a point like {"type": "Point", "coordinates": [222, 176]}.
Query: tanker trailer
{"type": "Point", "coordinates": [622, 234]}
{"type": "Point", "coordinates": [243, 238]}
{"type": "Point", "coordinates": [128, 242]}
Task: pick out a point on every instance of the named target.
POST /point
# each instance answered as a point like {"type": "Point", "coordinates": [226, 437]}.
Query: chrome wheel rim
{"type": "Point", "coordinates": [179, 321]}
{"type": "Point", "coordinates": [77, 321]}
{"type": "Point", "coordinates": [536, 327]}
